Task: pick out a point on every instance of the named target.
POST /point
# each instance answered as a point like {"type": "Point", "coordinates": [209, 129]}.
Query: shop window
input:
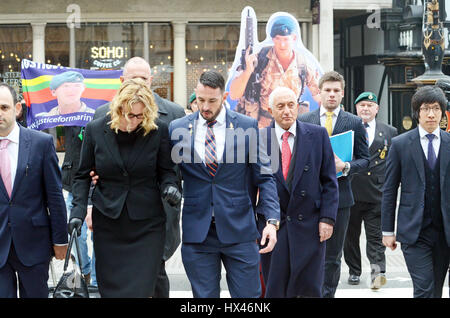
{"type": "Point", "coordinates": [16, 43]}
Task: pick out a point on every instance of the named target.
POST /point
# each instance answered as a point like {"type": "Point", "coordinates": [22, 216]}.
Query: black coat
{"type": "Point", "coordinates": [167, 112]}
{"type": "Point", "coordinates": [138, 185]}
{"type": "Point", "coordinates": [367, 184]}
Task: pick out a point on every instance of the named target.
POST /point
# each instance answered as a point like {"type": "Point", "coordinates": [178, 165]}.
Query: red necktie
{"type": "Point", "coordinates": [285, 154]}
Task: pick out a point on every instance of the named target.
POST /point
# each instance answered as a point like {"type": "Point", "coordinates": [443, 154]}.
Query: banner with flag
{"type": "Point", "coordinates": [49, 108]}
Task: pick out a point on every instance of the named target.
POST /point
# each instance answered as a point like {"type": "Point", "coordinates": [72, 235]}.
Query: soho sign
{"type": "Point", "coordinates": [108, 52]}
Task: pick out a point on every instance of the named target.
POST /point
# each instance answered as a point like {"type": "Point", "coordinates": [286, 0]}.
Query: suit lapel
{"type": "Point", "coordinates": [416, 153]}
{"type": "Point", "coordinates": [303, 143]}
{"type": "Point", "coordinates": [339, 127]}
{"type": "Point", "coordinates": [22, 160]}
{"type": "Point", "coordinates": [444, 150]}
{"type": "Point", "coordinates": [111, 143]}
{"type": "Point", "coordinates": [230, 146]}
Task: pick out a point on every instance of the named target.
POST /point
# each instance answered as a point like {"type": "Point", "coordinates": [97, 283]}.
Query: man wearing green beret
{"type": "Point", "coordinates": [68, 87]}
{"type": "Point", "coordinates": [193, 103]}
{"type": "Point", "coordinates": [271, 67]}
{"type": "Point", "coordinates": [367, 191]}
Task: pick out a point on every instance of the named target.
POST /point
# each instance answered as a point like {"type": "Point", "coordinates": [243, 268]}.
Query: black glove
{"type": "Point", "coordinates": [75, 223]}
{"type": "Point", "coordinates": [171, 195]}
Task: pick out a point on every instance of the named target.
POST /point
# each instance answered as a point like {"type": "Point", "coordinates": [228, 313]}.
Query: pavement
{"type": "Point", "coordinates": [399, 284]}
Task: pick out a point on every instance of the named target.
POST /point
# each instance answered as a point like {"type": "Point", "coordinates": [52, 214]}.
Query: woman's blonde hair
{"type": "Point", "coordinates": [131, 92]}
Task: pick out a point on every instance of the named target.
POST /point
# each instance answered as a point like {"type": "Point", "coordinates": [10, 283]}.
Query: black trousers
{"type": "Point", "coordinates": [333, 253]}
{"type": "Point", "coordinates": [370, 213]}
{"type": "Point", "coordinates": [427, 261]}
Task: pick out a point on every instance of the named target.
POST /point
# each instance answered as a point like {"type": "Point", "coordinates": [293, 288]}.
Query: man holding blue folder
{"type": "Point", "coordinates": [336, 121]}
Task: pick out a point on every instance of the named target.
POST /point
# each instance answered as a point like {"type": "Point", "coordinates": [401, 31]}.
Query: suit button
{"type": "Point", "coordinates": [9, 224]}
{"type": "Point", "coordinates": [376, 162]}
{"type": "Point", "coordinates": [125, 174]}
{"type": "Point", "coordinates": [288, 218]}
{"type": "Point", "coordinates": [306, 168]}
{"type": "Point", "coordinates": [300, 217]}
{"type": "Point", "coordinates": [303, 193]}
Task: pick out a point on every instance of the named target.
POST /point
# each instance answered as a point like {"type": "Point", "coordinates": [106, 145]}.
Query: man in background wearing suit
{"type": "Point", "coordinates": [33, 221]}
{"type": "Point", "coordinates": [336, 121]}
{"type": "Point", "coordinates": [367, 190]}
{"type": "Point", "coordinates": [219, 223]}
{"type": "Point", "coordinates": [137, 67]}
{"type": "Point", "coordinates": [308, 192]}
{"type": "Point", "coordinates": [419, 161]}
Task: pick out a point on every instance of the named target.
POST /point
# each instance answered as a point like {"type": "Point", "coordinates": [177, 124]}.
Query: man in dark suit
{"type": "Point", "coordinates": [336, 121]}
{"type": "Point", "coordinates": [33, 221]}
{"type": "Point", "coordinates": [137, 67]}
{"type": "Point", "coordinates": [308, 192]}
{"type": "Point", "coordinates": [419, 161]}
{"type": "Point", "coordinates": [216, 150]}
{"type": "Point", "coordinates": [367, 189]}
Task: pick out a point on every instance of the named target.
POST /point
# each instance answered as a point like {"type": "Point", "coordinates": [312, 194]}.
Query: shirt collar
{"type": "Point", "coordinates": [423, 132]}
{"type": "Point", "coordinates": [280, 131]}
{"type": "Point", "coordinates": [14, 134]}
{"type": "Point", "coordinates": [220, 118]}
{"type": "Point", "coordinates": [335, 111]}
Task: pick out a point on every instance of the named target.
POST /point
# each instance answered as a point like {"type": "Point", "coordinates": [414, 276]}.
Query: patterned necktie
{"type": "Point", "coordinates": [431, 153]}
{"type": "Point", "coordinates": [329, 123]}
{"type": "Point", "coordinates": [210, 149]}
{"type": "Point", "coordinates": [5, 166]}
{"type": "Point", "coordinates": [366, 125]}
{"type": "Point", "coordinates": [285, 154]}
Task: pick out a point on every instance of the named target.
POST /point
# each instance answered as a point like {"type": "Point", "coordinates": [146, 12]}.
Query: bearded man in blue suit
{"type": "Point", "coordinates": [218, 220]}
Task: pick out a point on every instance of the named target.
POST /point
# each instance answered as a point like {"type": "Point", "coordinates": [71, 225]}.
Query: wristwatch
{"type": "Point", "coordinates": [274, 222]}
{"type": "Point", "coordinates": [346, 169]}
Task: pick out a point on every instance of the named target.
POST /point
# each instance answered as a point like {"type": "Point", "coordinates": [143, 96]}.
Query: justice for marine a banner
{"type": "Point", "coordinates": [62, 96]}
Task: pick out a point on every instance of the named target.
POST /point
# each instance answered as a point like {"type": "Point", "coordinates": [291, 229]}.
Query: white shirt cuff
{"type": "Point", "coordinates": [388, 233]}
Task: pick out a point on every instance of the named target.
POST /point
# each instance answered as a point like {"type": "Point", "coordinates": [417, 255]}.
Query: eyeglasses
{"type": "Point", "coordinates": [137, 116]}
{"type": "Point", "coordinates": [427, 109]}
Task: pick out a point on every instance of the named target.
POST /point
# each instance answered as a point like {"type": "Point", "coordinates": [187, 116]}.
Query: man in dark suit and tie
{"type": "Point", "coordinates": [217, 152]}
{"type": "Point", "coordinates": [367, 189]}
{"type": "Point", "coordinates": [419, 161]}
{"type": "Point", "coordinates": [336, 121]}
{"type": "Point", "coordinates": [308, 192]}
{"type": "Point", "coordinates": [137, 67]}
{"type": "Point", "coordinates": [33, 220]}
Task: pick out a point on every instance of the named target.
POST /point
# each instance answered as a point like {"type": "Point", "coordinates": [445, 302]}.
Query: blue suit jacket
{"type": "Point", "coordinates": [35, 217]}
{"type": "Point", "coordinates": [345, 122]}
{"type": "Point", "coordinates": [405, 166]}
{"type": "Point", "coordinates": [313, 195]}
{"type": "Point", "coordinates": [227, 193]}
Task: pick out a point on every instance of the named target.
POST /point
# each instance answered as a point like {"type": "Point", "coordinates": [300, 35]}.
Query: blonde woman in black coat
{"type": "Point", "coordinates": [129, 151]}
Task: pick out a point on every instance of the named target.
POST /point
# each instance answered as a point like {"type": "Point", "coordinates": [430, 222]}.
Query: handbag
{"type": "Point", "coordinates": [72, 283]}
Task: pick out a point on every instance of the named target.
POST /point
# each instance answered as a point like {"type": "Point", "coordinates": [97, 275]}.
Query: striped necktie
{"type": "Point", "coordinates": [210, 149]}
{"type": "Point", "coordinates": [366, 125]}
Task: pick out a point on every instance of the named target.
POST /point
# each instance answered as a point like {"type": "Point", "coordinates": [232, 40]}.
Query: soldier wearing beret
{"type": "Point", "coordinates": [68, 87]}
{"type": "Point", "coordinates": [192, 106]}
{"type": "Point", "coordinates": [367, 190]}
{"type": "Point", "coordinates": [274, 66]}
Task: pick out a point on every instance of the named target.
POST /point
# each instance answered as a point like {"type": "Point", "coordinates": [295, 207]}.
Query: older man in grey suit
{"type": "Point", "coordinates": [137, 67]}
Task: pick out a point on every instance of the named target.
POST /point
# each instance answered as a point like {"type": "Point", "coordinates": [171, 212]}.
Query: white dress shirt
{"type": "Point", "coordinates": [13, 151]}
{"type": "Point", "coordinates": [219, 130]}
{"type": "Point", "coordinates": [424, 140]}
{"type": "Point", "coordinates": [323, 115]}
{"type": "Point", "coordinates": [280, 131]}
{"type": "Point", "coordinates": [371, 130]}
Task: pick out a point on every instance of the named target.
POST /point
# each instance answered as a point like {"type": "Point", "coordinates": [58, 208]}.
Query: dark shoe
{"type": "Point", "coordinates": [378, 281]}
{"type": "Point", "coordinates": [353, 280]}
